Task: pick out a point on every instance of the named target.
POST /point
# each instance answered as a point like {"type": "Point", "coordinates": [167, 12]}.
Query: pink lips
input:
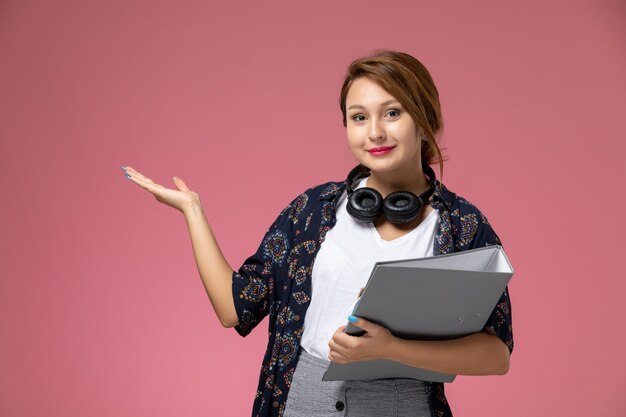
{"type": "Point", "coordinates": [381, 151]}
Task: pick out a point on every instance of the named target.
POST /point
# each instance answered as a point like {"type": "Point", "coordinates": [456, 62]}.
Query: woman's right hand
{"type": "Point", "coordinates": [180, 199]}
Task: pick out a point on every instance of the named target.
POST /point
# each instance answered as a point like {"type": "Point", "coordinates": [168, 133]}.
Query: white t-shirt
{"type": "Point", "coordinates": [343, 265]}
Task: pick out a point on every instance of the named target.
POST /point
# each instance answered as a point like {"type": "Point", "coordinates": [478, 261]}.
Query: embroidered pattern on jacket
{"type": "Point", "coordinates": [276, 281]}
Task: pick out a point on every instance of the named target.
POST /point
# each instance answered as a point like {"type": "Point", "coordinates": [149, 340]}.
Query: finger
{"type": "Point", "coordinates": [337, 357]}
{"type": "Point", "coordinates": [130, 170]}
{"type": "Point", "coordinates": [366, 325]}
{"type": "Point", "coordinates": [180, 184]}
{"type": "Point", "coordinates": [341, 333]}
{"type": "Point", "coordinates": [331, 345]}
{"type": "Point", "coordinates": [150, 186]}
{"type": "Point", "coordinates": [337, 332]}
{"type": "Point", "coordinates": [342, 341]}
{"type": "Point", "coordinates": [136, 174]}
{"type": "Point", "coordinates": [340, 329]}
{"type": "Point", "coordinates": [339, 340]}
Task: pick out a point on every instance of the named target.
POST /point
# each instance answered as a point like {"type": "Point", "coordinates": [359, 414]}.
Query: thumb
{"type": "Point", "coordinates": [180, 184]}
{"type": "Point", "coordinates": [361, 323]}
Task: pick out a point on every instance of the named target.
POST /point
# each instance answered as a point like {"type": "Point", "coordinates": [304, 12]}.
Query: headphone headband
{"type": "Point", "coordinates": [367, 204]}
{"type": "Point", "coordinates": [361, 171]}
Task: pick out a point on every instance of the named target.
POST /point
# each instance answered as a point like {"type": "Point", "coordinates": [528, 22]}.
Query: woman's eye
{"type": "Point", "coordinates": [359, 117]}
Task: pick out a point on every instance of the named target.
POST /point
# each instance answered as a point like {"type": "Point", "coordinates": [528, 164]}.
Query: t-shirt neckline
{"type": "Point", "coordinates": [405, 236]}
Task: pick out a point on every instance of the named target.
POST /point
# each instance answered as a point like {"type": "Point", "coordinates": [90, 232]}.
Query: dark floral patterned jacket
{"type": "Point", "coordinates": [276, 280]}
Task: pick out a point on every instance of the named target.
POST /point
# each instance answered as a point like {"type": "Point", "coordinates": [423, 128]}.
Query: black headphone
{"type": "Point", "coordinates": [366, 204]}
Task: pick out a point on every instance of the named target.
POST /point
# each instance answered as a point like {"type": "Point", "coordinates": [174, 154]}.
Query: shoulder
{"type": "Point", "coordinates": [464, 208]}
{"type": "Point", "coordinates": [471, 225]}
{"type": "Point", "coordinates": [325, 190]}
{"type": "Point", "coordinates": [313, 197]}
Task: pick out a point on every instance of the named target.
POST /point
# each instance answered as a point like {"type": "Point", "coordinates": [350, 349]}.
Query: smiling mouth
{"type": "Point", "coordinates": [383, 148]}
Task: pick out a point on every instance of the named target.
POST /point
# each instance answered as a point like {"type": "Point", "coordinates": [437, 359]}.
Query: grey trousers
{"type": "Point", "coordinates": [309, 396]}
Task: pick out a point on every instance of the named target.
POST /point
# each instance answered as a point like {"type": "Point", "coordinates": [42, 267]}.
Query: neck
{"type": "Point", "coordinates": [408, 178]}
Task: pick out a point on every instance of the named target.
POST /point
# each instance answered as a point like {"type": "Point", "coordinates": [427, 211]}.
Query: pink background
{"type": "Point", "coordinates": [102, 311]}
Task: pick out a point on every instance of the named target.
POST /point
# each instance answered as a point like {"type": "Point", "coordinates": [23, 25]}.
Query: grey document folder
{"type": "Point", "coordinates": [433, 298]}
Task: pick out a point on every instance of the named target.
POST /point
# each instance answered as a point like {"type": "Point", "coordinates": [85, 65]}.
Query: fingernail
{"type": "Point", "coordinates": [123, 168]}
{"type": "Point", "coordinates": [127, 176]}
{"type": "Point", "coordinates": [352, 318]}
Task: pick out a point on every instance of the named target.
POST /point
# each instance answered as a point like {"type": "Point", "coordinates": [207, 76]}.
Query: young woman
{"type": "Point", "coordinates": [391, 206]}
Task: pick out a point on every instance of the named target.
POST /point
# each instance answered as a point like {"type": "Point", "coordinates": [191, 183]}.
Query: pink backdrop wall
{"type": "Point", "coordinates": [102, 311]}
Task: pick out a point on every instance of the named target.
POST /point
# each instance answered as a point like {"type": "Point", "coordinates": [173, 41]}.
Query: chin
{"type": "Point", "coordinates": [380, 166]}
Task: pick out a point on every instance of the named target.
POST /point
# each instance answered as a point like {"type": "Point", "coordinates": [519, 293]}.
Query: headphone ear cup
{"type": "Point", "coordinates": [402, 207]}
{"type": "Point", "coordinates": [365, 204]}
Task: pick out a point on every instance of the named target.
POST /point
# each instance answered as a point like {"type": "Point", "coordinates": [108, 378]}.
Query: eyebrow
{"type": "Point", "coordinates": [358, 106]}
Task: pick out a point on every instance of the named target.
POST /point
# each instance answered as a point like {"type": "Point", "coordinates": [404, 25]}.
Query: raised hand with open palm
{"type": "Point", "coordinates": [181, 199]}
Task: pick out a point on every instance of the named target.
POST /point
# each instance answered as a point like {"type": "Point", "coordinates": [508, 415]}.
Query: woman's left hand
{"type": "Point", "coordinates": [374, 344]}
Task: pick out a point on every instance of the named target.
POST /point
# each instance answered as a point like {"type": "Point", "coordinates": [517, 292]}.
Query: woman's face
{"type": "Point", "coordinates": [381, 134]}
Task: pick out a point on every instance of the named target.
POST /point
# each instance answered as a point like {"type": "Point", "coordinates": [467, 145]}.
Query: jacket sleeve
{"type": "Point", "coordinates": [499, 322]}
{"type": "Point", "coordinates": [253, 285]}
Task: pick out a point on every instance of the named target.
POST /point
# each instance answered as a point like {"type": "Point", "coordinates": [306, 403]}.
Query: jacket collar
{"type": "Point", "coordinates": [441, 195]}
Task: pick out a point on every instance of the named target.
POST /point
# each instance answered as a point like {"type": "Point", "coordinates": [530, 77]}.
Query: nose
{"type": "Point", "coordinates": [376, 131]}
